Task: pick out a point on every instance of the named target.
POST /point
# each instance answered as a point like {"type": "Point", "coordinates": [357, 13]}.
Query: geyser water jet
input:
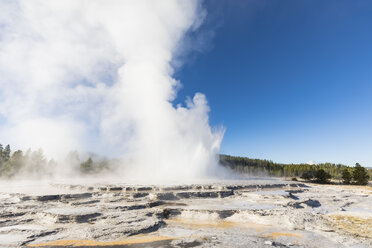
{"type": "Point", "coordinates": [97, 76]}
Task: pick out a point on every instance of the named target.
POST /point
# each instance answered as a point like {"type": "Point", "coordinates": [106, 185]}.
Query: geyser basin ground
{"type": "Point", "coordinates": [251, 213]}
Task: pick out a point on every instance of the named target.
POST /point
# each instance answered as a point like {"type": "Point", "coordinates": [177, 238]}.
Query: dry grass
{"type": "Point", "coordinates": [355, 225]}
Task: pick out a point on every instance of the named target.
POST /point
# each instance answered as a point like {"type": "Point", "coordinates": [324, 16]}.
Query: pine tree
{"type": "Point", "coordinates": [1, 155]}
{"type": "Point", "coordinates": [6, 153]}
{"type": "Point", "coordinates": [346, 176]}
{"type": "Point", "coordinates": [360, 175]}
{"type": "Point", "coordinates": [307, 175]}
{"type": "Point", "coordinates": [1, 151]}
{"type": "Point", "coordinates": [322, 176]}
{"type": "Point", "coordinates": [87, 166]}
{"type": "Point", "coordinates": [35, 161]}
{"type": "Point", "coordinates": [16, 162]}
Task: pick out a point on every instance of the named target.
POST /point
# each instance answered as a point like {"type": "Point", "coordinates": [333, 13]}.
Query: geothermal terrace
{"type": "Point", "coordinates": [264, 213]}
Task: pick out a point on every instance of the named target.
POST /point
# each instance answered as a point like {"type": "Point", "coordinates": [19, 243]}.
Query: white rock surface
{"type": "Point", "coordinates": [214, 214]}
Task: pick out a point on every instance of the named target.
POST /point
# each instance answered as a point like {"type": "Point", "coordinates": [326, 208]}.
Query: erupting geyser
{"type": "Point", "coordinates": [97, 76]}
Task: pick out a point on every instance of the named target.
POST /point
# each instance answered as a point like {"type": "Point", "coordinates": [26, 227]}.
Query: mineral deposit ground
{"type": "Point", "coordinates": [251, 213]}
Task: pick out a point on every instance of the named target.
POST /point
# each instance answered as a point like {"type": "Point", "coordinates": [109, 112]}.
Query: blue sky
{"type": "Point", "coordinates": [291, 80]}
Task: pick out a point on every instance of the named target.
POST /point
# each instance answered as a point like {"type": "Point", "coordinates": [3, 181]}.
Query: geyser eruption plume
{"type": "Point", "coordinates": [97, 76]}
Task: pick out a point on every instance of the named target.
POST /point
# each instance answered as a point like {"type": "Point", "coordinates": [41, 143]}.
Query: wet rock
{"type": "Point", "coordinates": [225, 213]}
{"type": "Point", "coordinates": [186, 195]}
{"type": "Point", "coordinates": [83, 218]}
{"type": "Point", "coordinates": [297, 191]}
{"type": "Point", "coordinates": [184, 244]}
{"type": "Point", "coordinates": [72, 214]}
{"type": "Point", "coordinates": [273, 186]}
{"type": "Point", "coordinates": [206, 187]}
{"type": "Point", "coordinates": [167, 213]}
{"type": "Point", "coordinates": [116, 189]}
{"type": "Point", "coordinates": [177, 188]}
{"type": "Point", "coordinates": [241, 187]}
{"type": "Point", "coordinates": [144, 189]}
{"type": "Point", "coordinates": [48, 198]}
{"type": "Point", "coordinates": [140, 195]}
{"type": "Point", "coordinates": [117, 200]}
{"type": "Point", "coordinates": [85, 202]}
{"type": "Point", "coordinates": [77, 196]}
{"type": "Point", "coordinates": [183, 195]}
{"type": "Point", "coordinates": [26, 198]}
{"type": "Point", "coordinates": [167, 196]}
{"type": "Point", "coordinates": [4, 222]}
{"type": "Point", "coordinates": [347, 204]}
{"type": "Point", "coordinates": [299, 185]}
{"type": "Point", "coordinates": [155, 204]}
{"type": "Point", "coordinates": [312, 203]}
{"type": "Point", "coordinates": [12, 215]}
{"type": "Point", "coordinates": [153, 228]}
{"type": "Point", "coordinates": [274, 243]}
{"type": "Point", "coordinates": [292, 196]}
{"type": "Point", "coordinates": [295, 205]}
{"type": "Point", "coordinates": [136, 207]}
{"type": "Point", "coordinates": [206, 194]}
{"type": "Point", "coordinates": [43, 234]}
{"type": "Point", "coordinates": [86, 217]}
{"type": "Point", "coordinates": [224, 194]}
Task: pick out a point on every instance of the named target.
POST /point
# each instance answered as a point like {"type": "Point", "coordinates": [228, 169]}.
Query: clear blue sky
{"type": "Point", "coordinates": [290, 80]}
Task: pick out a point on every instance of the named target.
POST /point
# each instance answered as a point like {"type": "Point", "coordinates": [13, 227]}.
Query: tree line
{"type": "Point", "coordinates": [30, 162]}
{"type": "Point", "coordinates": [321, 173]}
{"type": "Point", "coordinates": [35, 163]}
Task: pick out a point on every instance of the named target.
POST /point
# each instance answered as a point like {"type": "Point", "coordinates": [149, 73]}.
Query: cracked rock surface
{"type": "Point", "coordinates": [264, 213]}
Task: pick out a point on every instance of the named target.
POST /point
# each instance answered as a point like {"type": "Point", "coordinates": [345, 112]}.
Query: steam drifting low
{"type": "Point", "coordinates": [97, 76]}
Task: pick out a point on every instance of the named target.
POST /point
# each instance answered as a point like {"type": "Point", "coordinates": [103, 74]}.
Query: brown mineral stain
{"type": "Point", "coordinates": [196, 224]}
{"type": "Point", "coordinates": [76, 243]}
{"type": "Point", "coordinates": [274, 235]}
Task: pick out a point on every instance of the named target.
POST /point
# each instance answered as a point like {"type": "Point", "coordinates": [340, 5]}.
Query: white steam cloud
{"type": "Point", "coordinates": [96, 76]}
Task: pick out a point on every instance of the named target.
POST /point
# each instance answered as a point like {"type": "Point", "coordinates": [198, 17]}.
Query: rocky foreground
{"type": "Point", "coordinates": [250, 213]}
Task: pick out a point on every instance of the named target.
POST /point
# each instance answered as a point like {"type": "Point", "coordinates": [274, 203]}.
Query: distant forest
{"type": "Point", "coordinates": [35, 162]}
{"type": "Point", "coordinates": [267, 167]}
{"type": "Point", "coordinates": [249, 166]}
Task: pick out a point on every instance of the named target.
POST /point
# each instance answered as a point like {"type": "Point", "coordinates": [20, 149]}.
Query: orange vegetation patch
{"type": "Point", "coordinates": [274, 235]}
{"type": "Point", "coordinates": [129, 241]}
{"type": "Point", "coordinates": [196, 224]}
